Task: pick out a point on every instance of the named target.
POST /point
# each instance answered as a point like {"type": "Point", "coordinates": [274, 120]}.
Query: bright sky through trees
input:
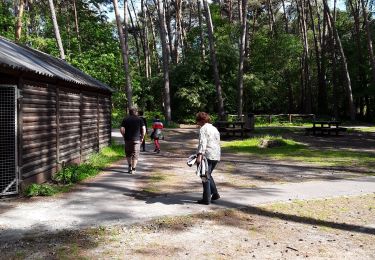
{"type": "Point", "coordinates": [111, 15]}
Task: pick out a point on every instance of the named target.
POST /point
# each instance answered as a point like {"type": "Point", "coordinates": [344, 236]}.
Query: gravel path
{"type": "Point", "coordinates": [113, 198]}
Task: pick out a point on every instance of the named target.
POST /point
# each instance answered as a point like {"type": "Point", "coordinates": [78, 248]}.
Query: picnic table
{"type": "Point", "coordinates": [325, 127]}
{"type": "Point", "coordinates": [231, 127]}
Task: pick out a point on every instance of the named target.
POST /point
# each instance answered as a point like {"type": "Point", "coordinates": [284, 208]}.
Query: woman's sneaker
{"type": "Point", "coordinates": [203, 202]}
{"type": "Point", "coordinates": [215, 196]}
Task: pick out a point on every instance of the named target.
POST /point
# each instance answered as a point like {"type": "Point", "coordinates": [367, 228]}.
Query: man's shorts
{"type": "Point", "coordinates": [132, 149]}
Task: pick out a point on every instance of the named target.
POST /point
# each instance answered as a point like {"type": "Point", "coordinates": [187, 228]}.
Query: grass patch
{"type": "Point", "coordinates": [278, 130]}
{"type": "Point", "coordinates": [328, 209]}
{"type": "Point", "coordinates": [292, 150]}
{"type": "Point", "coordinates": [64, 179]}
{"type": "Point", "coordinates": [363, 129]}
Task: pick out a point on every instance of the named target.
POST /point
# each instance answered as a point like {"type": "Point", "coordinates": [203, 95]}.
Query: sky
{"type": "Point", "coordinates": [340, 5]}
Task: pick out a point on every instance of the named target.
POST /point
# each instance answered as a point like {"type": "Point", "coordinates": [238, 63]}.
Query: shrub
{"type": "Point", "coordinates": [40, 190]}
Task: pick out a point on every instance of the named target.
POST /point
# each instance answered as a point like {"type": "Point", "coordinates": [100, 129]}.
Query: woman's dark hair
{"type": "Point", "coordinates": [202, 117]}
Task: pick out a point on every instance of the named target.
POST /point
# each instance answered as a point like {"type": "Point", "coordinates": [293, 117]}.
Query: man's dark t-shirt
{"type": "Point", "coordinates": [133, 126]}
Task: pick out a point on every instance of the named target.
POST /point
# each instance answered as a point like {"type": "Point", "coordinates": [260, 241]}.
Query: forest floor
{"type": "Point", "coordinates": [337, 226]}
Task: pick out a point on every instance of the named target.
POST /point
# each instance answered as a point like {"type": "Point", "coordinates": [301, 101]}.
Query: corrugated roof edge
{"type": "Point", "coordinates": [64, 66]}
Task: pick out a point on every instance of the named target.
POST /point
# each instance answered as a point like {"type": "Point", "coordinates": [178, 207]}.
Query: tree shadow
{"type": "Point", "coordinates": [223, 204]}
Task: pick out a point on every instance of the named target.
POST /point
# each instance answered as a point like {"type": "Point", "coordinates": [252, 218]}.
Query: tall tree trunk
{"type": "Point", "coordinates": [334, 79]}
{"type": "Point", "coordinates": [203, 52]}
{"type": "Point", "coordinates": [362, 81]}
{"type": "Point", "coordinates": [213, 59]}
{"type": "Point", "coordinates": [248, 38]}
{"type": "Point", "coordinates": [21, 6]}
{"type": "Point", "coordinates": [146, 49]}
{"type": "Point", "coordinates": [135, 37]}
{"type": "Point", "coordinates": [57, 31]}
{"type": "Point", "coordinates": [348, 85]}
{"type": "Point", "coordinates": [77, 25]}
{"type": "Point", "coordinates": [369, 40]}
{"type": "Point", "coordinates": [67, 26]}
{"type": "Point", "coordinates": [153, 51]}
{"type": "Point", "coordinates": [178, 43]}
{"type": "Point", "coordinates": [228, 6]}
{"type": "Point", "coordinates": [271, 17]}
{"type": "Point", "coordinates": [243, 17]}
{"type": "Point", "coordinates": [306, 99]}
{"type": "Point", "coordinates": [285, 17]}
{"type": "Point", "coordinates": [322, 87]}
{"type": "Point", "coordinates": [124, 51]}
{"type": "Point", "coordinates": [164, 45]}
{"type": "Point", "coordinates": [167, 15]}
{"type": "Point", "coordinates": [370, 50]}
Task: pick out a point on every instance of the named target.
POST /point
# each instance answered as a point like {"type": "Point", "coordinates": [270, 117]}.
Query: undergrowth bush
{"type": "Point", "coordinates": [71, 174]}
{"type": "Point", "coordinates": [39, 190]}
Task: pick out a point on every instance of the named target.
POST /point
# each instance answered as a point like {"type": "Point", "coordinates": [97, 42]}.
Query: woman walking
{"type": "Point", "coordinates": [208, 149]}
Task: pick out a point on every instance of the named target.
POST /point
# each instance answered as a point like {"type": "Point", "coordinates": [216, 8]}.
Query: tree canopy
{"type": "Point", "coordinates": [297, 56]}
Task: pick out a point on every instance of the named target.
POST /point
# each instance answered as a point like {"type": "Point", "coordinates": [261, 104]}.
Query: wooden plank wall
{"type": "Point", "coordinates": [105, 123]}
{"type": "Point", "coordinates": [38, 131]}
{"type": "Point", "coordinates": [90, 138]}
{"type": "Point", "coordinates": [61, 126]}
{"type": "Point", "coordinates": [69, 125]}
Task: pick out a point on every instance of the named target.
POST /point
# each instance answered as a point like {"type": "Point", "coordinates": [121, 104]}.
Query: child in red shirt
{"type": "Point", "coordinates": [157, 126]}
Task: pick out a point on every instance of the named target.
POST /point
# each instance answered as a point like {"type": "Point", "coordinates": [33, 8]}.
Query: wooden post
{"type": "Point", "coordinates": [110, 120]}
{"type": "Point", "coordinates": [290, 118]}
{"type": "Point", "coordinates": [97, 120]}
{"type": "Point", "coordinates": [269, 119]}
{"type": "Point", "coordinates": [20, 129]}
{"type": "Point", "coordinates": [80, 126]}
{"type": "Point", "coordinates": [58, 163]}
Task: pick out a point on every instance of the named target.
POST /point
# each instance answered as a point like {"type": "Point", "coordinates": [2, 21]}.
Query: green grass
{"type": "Point", "coordinates": [364, 129]}
{"type": "Point", "coordinates": [292, 150]}
{"type": "Point", "coordinates": [276, 130]}
{"type": "Point", "coordinates": [65, 179]}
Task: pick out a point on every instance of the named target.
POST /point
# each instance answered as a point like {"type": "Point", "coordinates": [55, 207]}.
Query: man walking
{"type": "Point", "coordinates": [133, 130]}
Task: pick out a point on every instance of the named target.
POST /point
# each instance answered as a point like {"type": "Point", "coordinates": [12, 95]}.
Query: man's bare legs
{"type": "Point", "coordinates": [132, 163]}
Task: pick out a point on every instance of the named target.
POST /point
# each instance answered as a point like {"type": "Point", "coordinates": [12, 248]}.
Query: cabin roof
{"type": "Point", "coordinates": [22, 58]}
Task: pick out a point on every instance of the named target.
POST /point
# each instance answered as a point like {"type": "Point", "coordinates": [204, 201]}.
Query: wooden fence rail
{"type": "Point", "coordinates": [288, 117]}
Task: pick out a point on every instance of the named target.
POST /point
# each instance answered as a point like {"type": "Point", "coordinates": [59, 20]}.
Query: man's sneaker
{"type": "Point", "coordinates": [132, 171]}
{"type": "Point", "coordinates": [215, 196]}
{"type": "Point", "coordinates": [158, 151]}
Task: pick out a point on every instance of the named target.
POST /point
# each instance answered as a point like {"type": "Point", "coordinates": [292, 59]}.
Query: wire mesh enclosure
{"type": "Point", "coordinates": [8, 140]}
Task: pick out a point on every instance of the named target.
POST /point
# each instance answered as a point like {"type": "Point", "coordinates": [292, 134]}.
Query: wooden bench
{"type": "Point", "coordinates": [336, 130]}
{"type": "Point", "coordinates": [227, 128]}
{"type": "Point", "coordinates": [325, 130]}
{"type": "Point", "coordinates": [233, 131]}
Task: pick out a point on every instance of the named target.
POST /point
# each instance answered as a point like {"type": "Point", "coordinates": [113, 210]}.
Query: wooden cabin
{"type": "Point", "coordinates": [51, 114]}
